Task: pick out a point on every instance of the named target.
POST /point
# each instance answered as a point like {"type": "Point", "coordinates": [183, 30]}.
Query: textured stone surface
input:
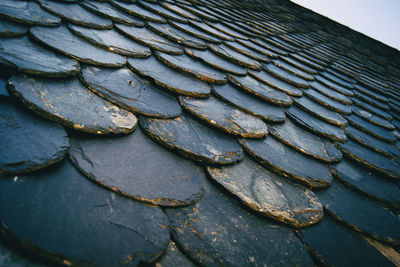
{"type": "Point", "coordinates": [11, 29]}
{"type": "Point", "coordinates": [138, 11]}
{"type": "Point", "coordinates": [236, 57]}
{"type": "Point", "coordinates": [173, 257]}
{"type": "Point", "coordinates": [328, 102]}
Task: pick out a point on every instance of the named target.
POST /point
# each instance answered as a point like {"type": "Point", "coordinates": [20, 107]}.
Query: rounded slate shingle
{"type": "Point", "coordinates": [11, 29]}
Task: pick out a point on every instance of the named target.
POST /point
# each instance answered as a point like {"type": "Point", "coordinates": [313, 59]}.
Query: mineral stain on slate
{"type": "Point", "coordinates": [136, 167]}
{"type": "Point", "coordinates": [28, 142]}
{"type": "Point", "coordinates": [193, 140]}
{"type": "Point", "coordinates": [79, 211]}
{"type": "Point", "coordinates": [269, 193]}
{"type": "Point", "coordinates": [66, 102]}
{"type": "Point", "coordinates": [127, 90]}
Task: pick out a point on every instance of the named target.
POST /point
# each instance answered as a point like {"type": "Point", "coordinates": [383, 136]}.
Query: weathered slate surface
{"type": "Point", "coordinates": [137, 11]}
{"type": "Point", "coordinates": [11, 257]}
{"type": "Point", "coordinates": [305, 142]}
{"type": "Point", "coordinates": [11, 29]}
{"type": "Point", "coordinates": [329, 239]}
{"type": "Point", "coordinates": [372, 118]}
{"type": "Point", "coordinates": [374, 110]}
{"type": "Point", "coordinates": [293, 69]}
{"type": "Point", "coordinates": [288, 162]}
{"type": "Point", "coordinates": [66, 102]}
{"type": "Point", "coordinates": [193, 140]}
{"type": "Point", "coordinates": [127, 90]}
{"type": "Point", "coordinates": [331, 93]}
{"type": "Point", "coordinates": [195, 32]}
{"type": "Point", "coordinates": [367, 182]}
{"type": "Point", "coordinates": [248, 103]}
{"type": "Point", "coordinates": [210, 30]}
{"type": "Point", "coordinates": [335, 86]}
{"type": "Point", "coordinates": [27, 12]}
{"type": "Point", "coordinates": [372, 101]}
{"type": "Point", "coordinates": [268, 193]}
{"type": "Point", "coordinates": [370, 217]}
{"type": "Point", "coordinates": [27, 142]}
{"type": "Point", "coordinates": [28, 57]}
{"type": "Point", "coordinates": [246, 51]}
{"type": "Point", "coordinates": [286, 76]}
{"type": "Point", "coordinates": [79, 211]}
{"type": "Point", "coordinates": [112, 41]}
{"type": "Point", "coordinates": [138, 168]}
{"type": "Point", "coordinates": [161, 74]}
{"type": "Point", "coordinates": [173, 257]}
{"type": "Point", "coordinates": [234, 56]}
{"type": "Point", "coordinates": [3, 88]}
{"type": "Point", "coordinates": [180, 11]}
{"type": "Point", "coordinates": [328, 102]}
{"type": "Point", "coordinates": [217, 231]}
{"type": "Point", "coordinates": [225, 117]}
{"type": "Point", "coordinates": [62, 40]}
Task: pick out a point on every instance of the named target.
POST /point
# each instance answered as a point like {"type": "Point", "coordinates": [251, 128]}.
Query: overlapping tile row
{"type": "Point", "coordinates": [256, 126]}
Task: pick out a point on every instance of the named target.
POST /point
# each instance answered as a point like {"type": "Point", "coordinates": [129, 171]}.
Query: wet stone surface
{"type": "Point", "coordinates": [127, 90]}
{"type": "Point", "coordinates": [287, 162]}
{"type": "Point", "coordinates": [161, 74]}
{"type": "Point", "coordinates": [268, 193]}
{"type": "Point", "coordinates": [28, 142]}
{"type": "Point", "coordinates": [66, 102]}
{"type": "Point", "coordinates": [327, 102]}
{"type": "Point", "coordinates": [217, 231]}
{"type": "Point", "coordinates": [153, 174]}
{"type": "Point", "coordinates": [230, 54]}
{"type": "Point", "coordinates": [11, 29]}
{"type": "Point", "coordinates": [225, 117]}
{"type": "Point", "coordinates": [193, 140]}
{"type": "Point", "coordinates": [137, 11]}
{"type": "Point", "coordinates": [79, 211]}
{"type": "Point", "coordinates": [28, 57]}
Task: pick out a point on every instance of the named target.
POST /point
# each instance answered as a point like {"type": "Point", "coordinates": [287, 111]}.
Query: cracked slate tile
{"type": "Point", "coordinates": [234, 56]}
{"type": "Point", "coordinates": [225, 117]}
{"type": "Point", "coordinates": [269, 194]}
{"type": "Point", "coordinates": [66, 102]}
{"type": "Point", "coordinates": [27, 12]}
{"type": "Point", "coordinates": [137, 11]}
{"type": "Point", "coordinates": [217, 231]}
{"type": "Point", "coordinates": [327, 102]}
{"type": "Point", "coordinates": [79, 211]}
{"type": "Point", "coordinates": [65, 42]}
{"type": "Point", "coordinates": [128, 91]}
{"type": "Point", "coordinates": [153, 175]}
{"type": "Point", "coordinates": [161, 74]}
{"type": "Point", "coordinates": [162, 11]}
{"type": "Point", "coordinates": [28, 57]}
{"type": "Point", "coordinates": [373, 118]}
{"type": "Point", "coordinates": [286, 76]}
{"type": "Point", "coordinates": [11, 29]}
{"type": "Point", "coordinates": [193, 140]}
{"type": "Point", "coordinates": [195, 32]}
{"type": "Point", "coordinates": [27, 142]}
{"type": "Point", "coordinates": [331, 93]}
{"type": "Point", "coordinates": [75, 13]}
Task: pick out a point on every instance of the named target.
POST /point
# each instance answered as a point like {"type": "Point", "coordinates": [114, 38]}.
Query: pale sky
{"type": "Point", "coordinates": [379, 19]}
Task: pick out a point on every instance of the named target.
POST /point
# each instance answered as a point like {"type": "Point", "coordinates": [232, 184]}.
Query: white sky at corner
{"type": "Point", "coordinates": [379, 19]}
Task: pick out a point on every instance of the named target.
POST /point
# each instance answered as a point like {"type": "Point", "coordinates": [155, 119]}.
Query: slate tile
{"type": "Point", "coordinates": [293, 70]}
{"type": "Point", "coordinates": [9, 256]}
{"type": "Point", "coordinates": [216, 61]}
{"type": "Point", "coordinates": [269, 46]}
{"type": "Point", "coordinates": [222, 28]}
{"type": "Point", "coordinates": [370, 217]}
{"type": "Point", "coordinates": [27, 12]}
{"type": "Point", "coordinates": [371, 159]}
{"type": "Point", "coordinates": [79, 211]}
{"type": "Point", "coordinates": [372, 101]}
{"type": "Point", "coordinates": [333, 79]}
{"type": "Point", "coordinates": [193, 140]}
{"type": "Point", "coordinates": [286, 76]}
{"type": "Point", "coordinates": [128, 91]}
{"type": "Point", "coordinates": [161, 74]}
{"type": "Point", "coordinates": [234, 56]}
{"type": "Point", "coordinates": [316, 125]}
{"type": "Point", "coordinates": [331, 93]}
{"type": "Point", "coordinates": [287, 162]}
{"type": "Point", "coordinates": [66, 102]}
{"type": "Point", "coordinates": [268, 193]}
{"type": "Point", "coordinates": [329, 238]}
{"type": "Point", "coordinates": [257, 48]}
{"type": "Point", "coordinates": [150, 39]}
{"type": "Point", "coordinates": [76, 14]}
{"type": "Point", "coordinates": [248, 103]}
{"type": "Point", "coordinates": [340, 75]}
{"type": "Point", "coordinates": [137, 11]}
{"type": "Point", "coordinates": [210, 30]}
{"type": "Point", "coordinates": [225, 117]}
{"type": "Point", "coordinates": [193, 68]}
{"type": "Point", "coordinates": [180, 11]}
{"type": "Point", "coordinates": [162, 11]}
{"type": "Point", "coordinates": [11, 29]}
{"type": "Point", "coordinates": [3, 89]}
{"type": "Point", "coordinates": [327, 102]}
{"type": "Point", "coordinates": [371, 93]}
{"type": "Point", "coordinates": [320, 111]}
{"type": "Point", "coordinates": [306, 60]}
{"type": "Point", "coordinates": [299, 65]}
{"type": "Point", "coordinates": [199, 13]}
{"type": "Point", "coordinates": [261, 90]}
{"type": "Point", "coordinates": [62, 40]}
{"type": "Point", "coordinates": [279, 43]}
{"type": "Point", "coordinates": [246, 51]}
{"type": "Point", "coordinates": [173, 257]}
{"type": "Point", "coordinates": [28, 57]}
{"type": "Point", "coordinates": [217, 231]}
{"type": "Point", "coordinates": [106, 10]}
{"type": "Point", "coordinates": [373, 118]}
{"type": "Point", "coordinates": [112, 41]}
{"type": "Point", "coordinates": [27, 142]}
{"type": "Point", "coordinates": [195, 32]}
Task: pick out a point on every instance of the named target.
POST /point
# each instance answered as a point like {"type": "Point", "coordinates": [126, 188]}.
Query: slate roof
{"type": "Point", "coordinates": [193, 132]}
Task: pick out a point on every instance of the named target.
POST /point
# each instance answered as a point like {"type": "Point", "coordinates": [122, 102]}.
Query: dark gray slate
{"type": "Point", "coordinates": [138, 11]}
{"type": "Point", "coordinates": [27, 142]}
{"type": "Point", "coordinates": [328, 102]}
{"type": "Point", "coordinates": [65, 208]}
{"type": "Point", "coordinates": [210, 30]}
{"type": "Point", "coordinates": [162, 76]}
{"type": "Point", "coordinates": [9, 256]}
{"type": "Point", "coordinates": [136, 167]}
{"type": "Point", "coordinates": [336, 79]}
{"type": "Point", "coordinates": [371, 93]}
{"type": "Point", "coordinates": [127, 90]}
{"type": "Point", "coordinates": [333, 244]}
{"type": "Point", "coordinates": [11, 29]}
{"type": "Point", "coordinates": [69, 103]}
{"type": "Point", "coordinates": [27, 12]}
{"type": "Point", "coordinates": [231, 32]}
{"type": "Point", "coordinates": [28, 57]}
{"type": "Point", "coordinates": [368, 216]}
{"type": "Point", "coordinates": [372, 101]}
{"type": "Point", "coordinates": [286, 76]}
{"type": "Point", "coordinates": [193, 140]}
{"type": "Point", "coordinates": [288, 162]}
{"type": "Point", "coordinates": [335, 86]}
{"type": "Point", "coordinates": [246, 51]}
{"type": "Point", "coordinates": [234, 56]}
{"type": "Point", "coordinates": [195, 32]}
{"type": "Point", "coordinates": [296, 63]}
{"type": "Point", "coordinates": [62, 40]}
{"type": "Point", "coordinates": [173, 257]}
{"type": "Point", "coordinates": [373, 118]}
{"type": "Point", "coordinates": [3, 88]}
{"type": "Point", "coordinates": [180, 11]}
{"type": "Point", "coordinates": [162, 11]}
{"type": "Point", "coordinates": [293, 69]}
{"type": "Point", "coordinates": [331, 93]}
{"type": "Point", "coordinates": [374, 110]}
{"type": "Point", "coordinates": [217, 231]}
{"type": "Point", "coordinates": [269, 194]}
{"type": "Point", "coordinates": [225, 117]}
